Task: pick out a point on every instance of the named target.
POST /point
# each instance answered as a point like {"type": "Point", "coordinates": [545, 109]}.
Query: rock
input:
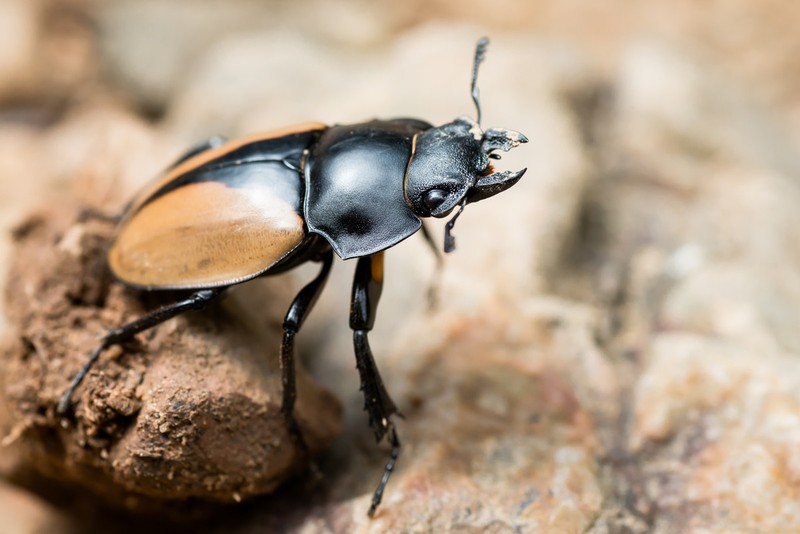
{"type": "Point", "coordinates": [152, 49]}
{"type": "Point", "coordinates": [716, 423]}
{"type": "Point", "coordinates": [148, 46]}
{"type": "Point", "coordinates": [19, 157]}
{"type": "Point", "coordinates": [100, 153]}
{"type": "Point", "coordinates": [18, 34]}
{"type": "Point", "coordinates": [24, 512]}
{"type": "Point", "coordinates": [502, 423]}
{"type": "Point", "coordinates": [704, 300]}
{"type": "Point", "coordinates": [189, 411]}
{"type": "Point", "coordinates": [47, 58]}
{"type": "Point", "coordinates": [303, 77]}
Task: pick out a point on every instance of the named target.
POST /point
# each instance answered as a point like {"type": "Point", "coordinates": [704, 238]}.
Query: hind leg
{"type": "Point", "coordinates": [295, 316]}
{"type": "Point", "coordinates": [117, 336]}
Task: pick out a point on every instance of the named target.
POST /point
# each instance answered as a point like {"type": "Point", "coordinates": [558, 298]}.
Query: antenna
{"type": "Point", "coordinates": [480, 54]}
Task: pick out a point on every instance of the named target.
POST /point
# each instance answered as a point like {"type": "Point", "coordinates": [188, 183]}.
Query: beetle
{"type": "Point", "coordinates": [229, 212]}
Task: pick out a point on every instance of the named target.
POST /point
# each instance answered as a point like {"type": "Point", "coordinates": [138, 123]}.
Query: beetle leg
{"type": "Point", "coordinates": [367, 286]}
{"type": "Point", "coordinates": [212, 142]}
{"type": "Point", "coordinates": [387, 471]}
{"type": "Point", "coordinates": [433, 287]}
{"type": "Point", "coordinates": [300, 307]}
{"type": "Point", "coordinates": [426, 233]}
{"type": "Point", "coordinates": [116, 336]}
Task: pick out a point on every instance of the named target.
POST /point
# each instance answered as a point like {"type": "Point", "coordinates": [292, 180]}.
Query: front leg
{"type": "Point", "coordinates": [367, 286]}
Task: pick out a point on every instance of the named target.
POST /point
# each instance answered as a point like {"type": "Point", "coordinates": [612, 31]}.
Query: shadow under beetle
{"type": "Point", "coordinates": [228, 212]}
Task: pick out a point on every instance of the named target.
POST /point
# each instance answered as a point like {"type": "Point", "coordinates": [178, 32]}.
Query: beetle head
{"type": "Point", "coordinates": [450, 165]}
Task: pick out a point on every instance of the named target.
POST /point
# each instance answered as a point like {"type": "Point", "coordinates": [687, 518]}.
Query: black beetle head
{"type": "Point", "coordinates": [450, 165]}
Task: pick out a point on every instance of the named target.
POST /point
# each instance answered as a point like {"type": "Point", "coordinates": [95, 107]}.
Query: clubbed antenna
{"type": "Point", "coordinates": [480, 54]}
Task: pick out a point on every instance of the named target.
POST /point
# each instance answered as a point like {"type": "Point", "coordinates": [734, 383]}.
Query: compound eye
{"type": "Point", "coordinates": [433, 198]}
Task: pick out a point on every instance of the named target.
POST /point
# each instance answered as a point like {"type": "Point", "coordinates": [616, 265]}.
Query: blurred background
{"type": "Point", "coordinates": [695, 99]}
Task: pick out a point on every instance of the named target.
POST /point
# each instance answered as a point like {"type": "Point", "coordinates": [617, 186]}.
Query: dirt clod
{"type": "Point", "coordinates": [190, 409]}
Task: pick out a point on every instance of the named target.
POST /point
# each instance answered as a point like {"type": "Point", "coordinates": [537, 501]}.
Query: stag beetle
{"type": "Point", "coordinates": [228, 212]}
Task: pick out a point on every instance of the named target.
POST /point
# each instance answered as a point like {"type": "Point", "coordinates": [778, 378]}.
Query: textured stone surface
{"type": "Point", "coordinates": [24, 512]}
{"type": "Point", "coordinates": [191, 410]}
{"type": "Point", "coordinates": [18, 31]}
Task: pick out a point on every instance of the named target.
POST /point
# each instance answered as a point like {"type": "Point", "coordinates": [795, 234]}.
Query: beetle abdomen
{"type": "Point", "coordinates": [216, 223]}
